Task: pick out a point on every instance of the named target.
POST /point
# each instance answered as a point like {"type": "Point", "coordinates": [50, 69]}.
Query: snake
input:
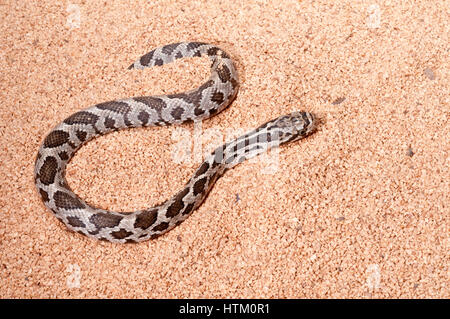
{"type": "Point", "coordinates": [210, 98]}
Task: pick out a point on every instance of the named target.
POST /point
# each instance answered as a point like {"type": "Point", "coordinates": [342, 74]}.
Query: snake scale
{"type": "Point", "coordinates": [210, 98]}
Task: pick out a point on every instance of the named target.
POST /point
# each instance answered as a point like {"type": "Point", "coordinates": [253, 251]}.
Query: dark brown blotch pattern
{"type": "Point", "coordinates": [75, 221]}
{"type": "Point", "coordinates": [104, 220]}
{"type": "Point", "coordinates": [143, 117]}
{"type": "Point", "coordinates": [48, 170]}
{"type": "Point", "coordinates": [81, 135]}
{"type": "Point", "coordinates": [110, 123]}
{"type": "Point", "coordinates": [179, 55]}
{"type": "Point", "coordinates": [178, 204]}
{"type": "Point", "coordinates": [66, 201]}
{"type": "Point", "coordinates": [81, 117]}
{"type": "Point", "coordinates": [188, 209]}
{"type": "Point", "coordinates": [199, 186]}
{"type": "Point", "coordinates": [145, 59]}
{"type": "Point", "coordinates": [56, 138]}
{"type": "Point", "coordinates": [199, 111]}
{"type": "Point", "coordinates": [63, 155]}
{"type": "Point", "coordinates": [152, 102]}
{"type": "Point", "coordinates": [177, 113]}
{"type": "Point", "coordinates": [212, 51]}
{"type": "Point", "coordinates": [95, 232]}
{"type": "Point", "coordinates": [44, 195]}
{"type": "Point", "coordinates": [145, 219]}
{"type": "Point", "coordinates": [161, 227]}
{"type": "Point", "coordinates": [115, 106]}
{"type": "Point", "coordinates": [202, 169]}
{"type": "Point", "coordinates": [121, 234]}
{"type": "Point", "coordinates": [224, 73]}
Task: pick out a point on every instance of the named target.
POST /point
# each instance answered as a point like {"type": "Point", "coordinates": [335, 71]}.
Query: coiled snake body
{"type": "Point", "coordinates": [210, 98]}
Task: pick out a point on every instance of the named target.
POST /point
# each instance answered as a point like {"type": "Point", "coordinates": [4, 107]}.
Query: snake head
{"type": "Point", "coordinates": [294, 126]}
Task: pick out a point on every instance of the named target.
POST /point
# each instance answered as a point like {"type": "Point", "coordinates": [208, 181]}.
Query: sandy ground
{"type": "Point", "coordinates": [359, 209]}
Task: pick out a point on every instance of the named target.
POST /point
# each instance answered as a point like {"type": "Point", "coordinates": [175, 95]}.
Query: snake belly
{"type": "Point", "coordinates": [210, 98]}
